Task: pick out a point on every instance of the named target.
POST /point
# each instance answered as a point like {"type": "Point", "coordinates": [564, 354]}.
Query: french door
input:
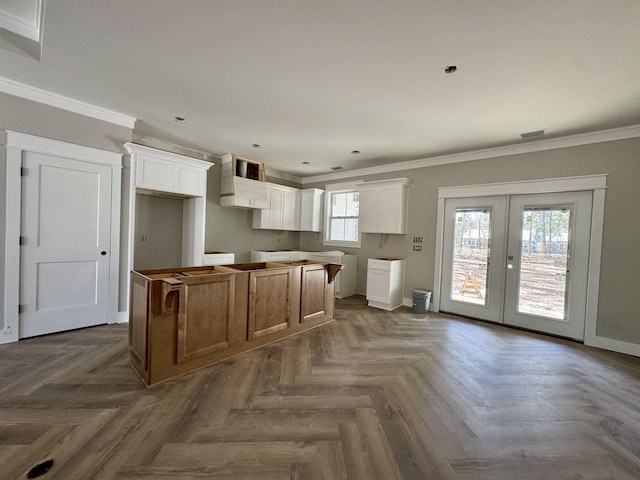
{"type": "Point", "coordinates": [521, 260]}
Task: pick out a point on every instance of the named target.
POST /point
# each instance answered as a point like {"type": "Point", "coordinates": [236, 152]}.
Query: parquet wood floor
{"type": "Point", "coordinates": [374, 395]}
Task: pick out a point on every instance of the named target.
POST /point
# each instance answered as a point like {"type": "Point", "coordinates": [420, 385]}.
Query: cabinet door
{"type": "Point", "coordinates": [190, 181]}
{"type": "Point", "coordinates": [310, 210]}
{"type": "Point", "coordinates": [368, 210]}
{"type": "Point", "coordinates": [392, 209]}
{"type": "Point", "coordinates": [271, 217]}
{"type": "Point", "coordinates": [378, 286]}
{"type": "Point", "coordinates": [154, 173]}
{"type": "Point", "coordinates": [291, 211]}
{"type": "Point", "coordinates": [274, 212]}
{"type": "Point", "coordinates": [279, 257]}
{"type": "Point", "coordinates": [313, 298]}
{"type": "Point", "coordinates": [205, 316]}
{"type": "Point", "coordinates": [270, 296]}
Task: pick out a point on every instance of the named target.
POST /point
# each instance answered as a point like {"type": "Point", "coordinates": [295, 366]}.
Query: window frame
{"type": "Point", "coordinates": [329, 191]}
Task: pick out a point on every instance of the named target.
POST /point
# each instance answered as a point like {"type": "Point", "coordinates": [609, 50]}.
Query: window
{"type": "Point", "coordinates": [342, 217]}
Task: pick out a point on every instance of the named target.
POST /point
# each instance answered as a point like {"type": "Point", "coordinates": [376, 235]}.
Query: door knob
{"type": "Point", "coordinates": [103, 252]}
{"type": "Point", "coordinates": [509, 257]}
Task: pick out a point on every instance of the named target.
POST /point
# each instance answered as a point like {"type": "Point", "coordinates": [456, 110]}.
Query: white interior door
{"type": "Point", "coordinates": [521, 260]}
{"type": "Point", "coordinates": [65, 237]}
{"type": "Point", "coordinates": [547, 262]}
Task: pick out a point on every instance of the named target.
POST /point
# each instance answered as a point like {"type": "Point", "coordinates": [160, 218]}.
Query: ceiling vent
{"type": "Point", "coordinates": [537, 133]}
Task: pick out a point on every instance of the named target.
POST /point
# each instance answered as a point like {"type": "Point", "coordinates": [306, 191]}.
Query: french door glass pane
{"type": "Point", "coordinates": [472, 241]}
{"type": "Point", "coordinates": [543, 263]}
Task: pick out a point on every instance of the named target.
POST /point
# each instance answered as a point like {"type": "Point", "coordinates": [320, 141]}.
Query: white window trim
{"type": "Point", "coordinates": [337, 188]}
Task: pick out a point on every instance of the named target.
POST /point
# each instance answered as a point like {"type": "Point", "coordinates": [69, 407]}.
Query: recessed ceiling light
{"type": "Point", "coordinates": [450, 69]}
{"type": "Point", "coordinates": [355, 152]}
{"type": "Point", "coordinates": [255, 145]}
{"type": "Point", "coordinates": [306, 163]}
{"type": "Point", "coordinates": [180, 119]}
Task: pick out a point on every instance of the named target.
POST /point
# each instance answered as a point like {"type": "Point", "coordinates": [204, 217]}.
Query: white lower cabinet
{"type": "Point", "coordinates": [218, 258]}
{"type": "Point", "coordinates": [385, 283]}
{"type": "Point", "coordinates": [347, 277]}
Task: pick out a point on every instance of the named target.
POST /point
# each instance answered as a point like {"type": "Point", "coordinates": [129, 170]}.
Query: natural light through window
{"type": "Point", "coordinates": [342, 218]}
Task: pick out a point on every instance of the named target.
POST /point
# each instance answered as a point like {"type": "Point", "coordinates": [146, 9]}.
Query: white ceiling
{"type": "Point", "coordinates": [312, 80]}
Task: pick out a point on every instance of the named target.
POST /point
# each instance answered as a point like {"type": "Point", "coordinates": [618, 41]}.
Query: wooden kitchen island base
{"type": "Point", "coordinates": [183, 319]}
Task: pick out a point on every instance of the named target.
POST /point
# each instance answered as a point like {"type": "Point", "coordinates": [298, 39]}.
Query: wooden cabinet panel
{"type": "Point", "coordinates": [187, 318]}
{"type": "Point", "coordinates": [313, 298]}
{"type": "Point", "coordinates": [139, 322]}
{"type": "Point", "coordinates": [270, 293]}
{"type": "Point", "coordinates": [205, 315]}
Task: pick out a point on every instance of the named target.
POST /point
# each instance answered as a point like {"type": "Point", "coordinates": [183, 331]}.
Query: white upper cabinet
{"type": "Point", "coordinates": [161, 171]}
{"type": "Point", "coordinates": [278, 202]}
{"type": "Point", "coordinates": [384, 206]}
{"type": "Point", "coordinates": [242, 183]}
{"type": "Point", "coordinates": [311, 209]}
{"type": "Point", "coordinates": [290, 209]}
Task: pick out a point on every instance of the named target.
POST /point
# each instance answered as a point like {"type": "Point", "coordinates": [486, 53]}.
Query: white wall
{"type": "Point", "coordinates": [158, 232]}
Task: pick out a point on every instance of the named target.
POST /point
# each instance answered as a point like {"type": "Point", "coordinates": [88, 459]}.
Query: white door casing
{"type": "Point", "coordinates": [15, 146]}
{"type": "Point", "coordinates": [594, 183]}
{"type": "Point", "coordinates": [506, 274]}
{"type": "Point", "coordinates": [66, 244]}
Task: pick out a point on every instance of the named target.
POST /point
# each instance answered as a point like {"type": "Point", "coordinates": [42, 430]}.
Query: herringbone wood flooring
{"type": "Point", "coordinates": [374, 395]}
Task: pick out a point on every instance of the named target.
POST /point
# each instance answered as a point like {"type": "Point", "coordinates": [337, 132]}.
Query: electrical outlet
{"type": "Point", "coordinates": [417, 244]}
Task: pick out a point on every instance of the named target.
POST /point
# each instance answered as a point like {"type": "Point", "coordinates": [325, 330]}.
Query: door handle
{"type": "Point", "coordinates": [509, 257]}
{"type": "Point", "coordinates": [103, 252]}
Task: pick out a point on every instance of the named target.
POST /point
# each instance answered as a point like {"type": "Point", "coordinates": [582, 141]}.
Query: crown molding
{"type": "Point", "coordinates": [610, 135]}
{"type": "Point", "coordinates": [270, 172]}
{"type": "Point", "coordinates": [134, 148]}
{"type": "Point", "coordinates": [59, 101]}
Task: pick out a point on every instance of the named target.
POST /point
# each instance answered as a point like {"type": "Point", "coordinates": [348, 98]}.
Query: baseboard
{"type": "Point", "coordinates": [613, 345]}
{"type": "Point", "coordinates": [123, 317]}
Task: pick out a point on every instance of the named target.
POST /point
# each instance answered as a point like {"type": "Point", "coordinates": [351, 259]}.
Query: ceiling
{"type": "Point", "coordinates": [311, 80]}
